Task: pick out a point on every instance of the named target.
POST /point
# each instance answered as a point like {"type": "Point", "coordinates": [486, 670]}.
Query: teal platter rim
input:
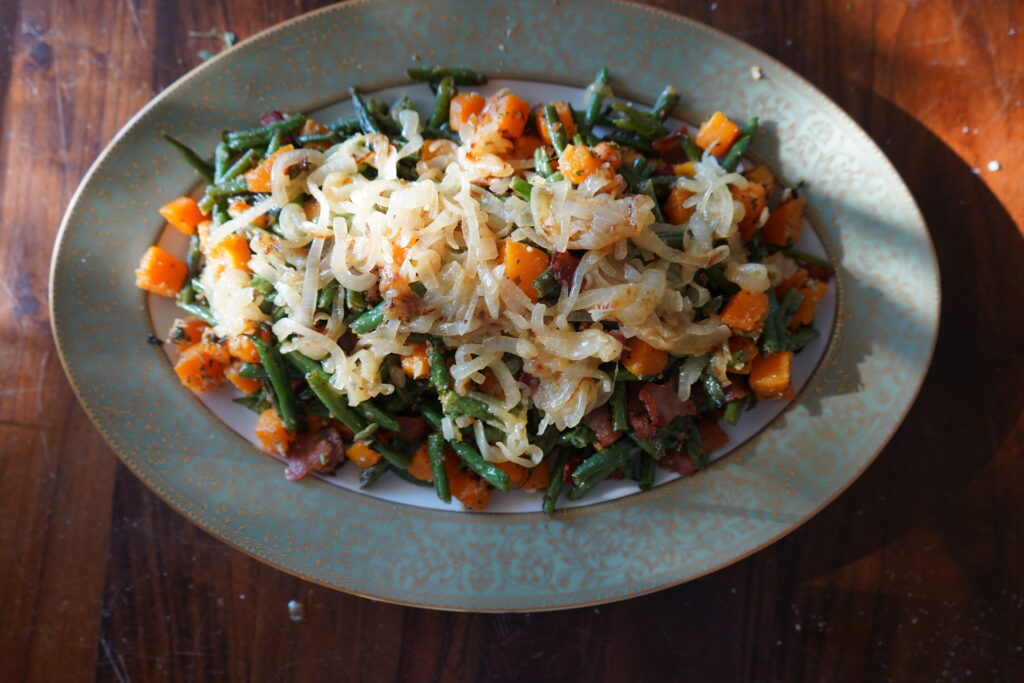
{"type": "Point", "coordinates": [872, 370]}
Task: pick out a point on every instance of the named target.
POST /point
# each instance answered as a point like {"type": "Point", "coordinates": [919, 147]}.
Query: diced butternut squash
{"type": "Point", "coordinates": [242, 348]}
{"type": "Point", "coordinates": [687, 168]}
{"type": "Point", "coordinates": [420, 467]}
{"type": "Point", "coordinates": [313, 127]}
{"type": "Point", "coordinates": [468, 488]}
{"type": "Point", "coordinates": [462, 107]}
{"type": "Point", "coordinates": [184, 214]}
{"type": "Point", "coordinates": [160, 272]}
{"type": "Point", "coordinates": [197, 370]}
{"type": "Point", "coordinates": [770, 375]}
{"type": "Point", "coordinates": [794, 281]}
{"type": "Point", "coordinates": [608, 153]}
{"type": "Point", "coordinates": [415, 364]}
{"type": "Point", "coordinates": [746, 311]}
{"type": "Point", "coordinates": [564, 117]}
{"type": "Point", "coordinates": [247, 385]}
{"type": "Point", "coordinates": [754, 201]}
{"type": "Point", "coordinates": [538, 479]}
{"type": "Point", "coordinates": [259, 177]}
{"type": "Point", "coordinates": [231, 252]}
{"type": "Point", "coordinates": [271, 433]}
{"type": "Point", "coordinates": [743, 351]}
{"type": "Point", "coordinates": [516, 473]}
{"type": "Point", "coordinates": [763, 176]}
{"type": "Point", "coordinates": [523, 264]}
{"type": "Point", "coordinates": [675, 212]}
{"type": "Point", "coordinates": [642, 359]}
{"type": "Point", "coordinates": [717, 131]}
{"type": "Point", "coordinates": [785, 223]}
{"type": "Point", "coordinates": [215, 347]}
{"type": "Point", "coordinates": [577, 163]}
{"type": "Point", "coordinates": [814, 291]}
{"type": "Point", "coordinates": [362, 455]}
{"type": "Point", "coordinates": [526, 145]}
{"type": "Point", "coordinates": [511, 113]}
{"type": "Point", "coordinates": [186, 331]}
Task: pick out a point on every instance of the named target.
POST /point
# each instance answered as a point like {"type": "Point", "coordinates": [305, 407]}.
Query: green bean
{"type": "Point", "coordinates": [593, 110]}
{"type": "Point", "coordinates": [806, 258]}
{"type": "Point", "coordinates": [187, 294]}
{"type": "Point", "coordinates": [716, 278]}
{"type": "Point", "coordinates": [273, 363]}
{"type": "Point", "coordinates": [732, 159]}
{"type": "Point", "coordinates": [556, 130]}
{"type": "Point", "coordinates": [258, 137]}
{"type": "Point", "coordinates": [695, 445]}
{"type": "Point", "coordinates": [252, 371]}
{"type": "Point", "coordinates": [321, 386]}
{"type": "Point", "coordinates": [354, 301]}
{"type": "Point", "coordinates": [261, 285]}
{"type": "Point", "coordinates": [346, 127]}
{"type": "Point", "coordinates": [435, 447]}
{"type": "Point", "coordinates": [241, 165]}
{"type": "Point", "coordinates": [644, 124]}
{"type": "Point", "coordinates": [418, 288]}
{"type": "Point", "coordinates": [316, 137]}
{"type": "Point", "coordinates": [201, 312]}
{"type": "Point", "coordinates": [220, 213]}
{"type": "Point", "coordinates": [580, 436]}
{"type": "Point", "coordinates": [368, 431]}
{"type": "Point", "coordinates": [733, 410]}
{"type": "Point", "coordinates": [370, 320]}
{"type": "Point", "coordinates": [554, 490]}
{"type": "Point", "coordinates": [455, 404]}
{"type": "Point", "coordinates": [627, 140]}
{"type": "Point", "coordinates": [194, 160]}
{"type": "Point", "coordinates": [620, 419]}
{"type": "Point", "coordinates": [273, 144]}
{"type": "Point", "coordinates": [372, 473]}
{"type": "Point", "coordinates": [439, 375]}
{"type": "Point", "coordinates": [375, 414]}
{"type": "Point", "coordinates": [541, 163]}
{"type": "Point", "coordinates": [774, 338]}
{"type": "Point", "coordinates": [653, 447]}
{"type": "Point", "coordinates": [546, 285]}
{"type": "Point", "coordinates": [645, 471]}
{"type": "Point", "coordinates": [802, 336]}
{"type": "Point", "coordinates": [325, 298]}
{"type": "Point", "coordinates": [789, 305]}
{"type": "Point", "coordinates": [693, 152]}
{"type": "Point", "coordinates": [221, 158]}
{"type": "Point", "coordinates": [521, 187]}
{"type": "Point", "coordinates": [665, 103]}
{"type": "Point", "coordinates": [459, 75]}
{"type": "Point", "coordinates": [489, 472]}
{"type": "Point", "coordinates": [432, 414]}
{"type": "Point", "coordinates": [556, 176]}
{"type": "Point", "coordinates": [442, 102]}
{"type": "Point", "coordinates": [194, 257]}
{"type": "Point", "coordinates": [409, 477]}
{"type": "Point", "coordinates": [227, 188]}
{"type": "Point", "coordinates": [647, 188]}
{"type": "Point", "coordinates": [610, 458]}
{"type": "Point", "coordinates": [713, 388]}
{"type": "Point", "coordinates": [367, 122]}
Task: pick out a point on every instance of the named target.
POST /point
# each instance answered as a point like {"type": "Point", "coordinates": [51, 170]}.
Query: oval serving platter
{"type": "Point", "coordinates": [390, 548]}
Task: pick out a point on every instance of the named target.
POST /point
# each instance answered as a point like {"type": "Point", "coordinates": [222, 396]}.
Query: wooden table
{"type": "Point", "coordinates": [916, 572]}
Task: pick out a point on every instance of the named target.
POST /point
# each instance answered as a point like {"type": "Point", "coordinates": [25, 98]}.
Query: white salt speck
{"type": "Point", "coordinates": [914, 620]}
{"type": "Point", "coordinates": [798, 627]}
{"type": "Point", "coordinates": [241, 596]}
{"type": "Point", "coordinates": [1012, 32]}
{"type": "Point", "coordinates": [714, 6]}
{"type": "Point", "coordinates": [975, 170]}
{"type": "Point", "coordinates": [756, 73]}
{"type": "Point", "coordinates": [789, 41]}
{"type": "Point", "coordinates": [994, 166]}
{"type": "Point", "coordinates": [295, 610]}
{"type": "Point", "coordinates": [778, 643]}
{"type": "Point", "coordinates": [976, 131]}
{"type": "Point", "coordinates": [965, 130]}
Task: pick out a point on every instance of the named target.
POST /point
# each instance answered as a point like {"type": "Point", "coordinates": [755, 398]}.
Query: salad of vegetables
{"type": "Point", "coordinates": [494, 294]}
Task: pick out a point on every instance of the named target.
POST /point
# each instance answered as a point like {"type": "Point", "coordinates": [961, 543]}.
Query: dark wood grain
{"type": "Point", "coordinates": [915, 573]}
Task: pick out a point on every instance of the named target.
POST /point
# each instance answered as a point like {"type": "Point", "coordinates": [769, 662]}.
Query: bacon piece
{"type": "Point", "coordinates": [823, 273]}
{"type": "Point", "coordinates": [669, 148]}
{"type": "Point", "coordinates": [663, 404]}
{"type": "Point", "coordinates": [570, 466]}
{"type": "Point", "coordinates": [738, 389]}
{"type": "Point", "coordinates": [639, 417]}
{"type": "Point", "coordinates": [319, 452]}
{"type": "Point", "coordinates": [679, 462]}
{"type": "Point", "coordinates": [600, 420]}
{"type": "Point", "coordinates": [413, 429]}
{"type": "Point", "coordinates": [270, 117]}
{"type": "Point", "coordinates": [563, 267]}
{"type": "Point", "coordinates": [711, 435]}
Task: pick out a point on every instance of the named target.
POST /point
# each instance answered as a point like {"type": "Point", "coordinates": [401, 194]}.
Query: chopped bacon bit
{"type": "Point", "coordinates": [738, 389]}
{"type": "Point", "coordinates": [600, 420]}
{"type": "Point", "coordinates": [823, 273]}
{"type": "Point", "coordinates": [669, 149]}
{"type": "Point", "coordinates": [639, 417]}
{"type": "Point", "coordinates": [270, 117]}
{"type": "Point", "coordinates": [679, 462]}
{"type": "Point", "coordinates": [528, 383]}
{"type": "Point", "coordinates": [319, 452]}
{"type": "Point", "coordinates": [571, 466]}
{"type": "Point", "coordinates": [413, 429]}
{"type": "Point", "coordinates": [663, 404]}
{"type": "Point", "coordinates": [563, 267]}
{"type": "Point", "coordinates": [711, 435]}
